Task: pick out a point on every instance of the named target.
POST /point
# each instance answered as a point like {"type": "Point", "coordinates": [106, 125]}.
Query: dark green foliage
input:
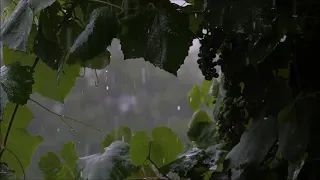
{"type": "Point", "coordinates": [46, 45]}
{"type": "Point", "coordinates": [98, 34]}
{"type": "Point", "coordinates": [161, 36]}
{"type": "Point", "coordinates": [17, 82]}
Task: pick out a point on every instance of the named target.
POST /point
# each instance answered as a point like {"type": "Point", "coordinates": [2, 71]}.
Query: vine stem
{"type": "Point", "coordinates": [14, 114]}
{"type": "Point", "coordinates": [154, 164]}
{"type": "Point", "coordinates": [106, 3]}
{"type": "Point", "coordinates": [63, 116]}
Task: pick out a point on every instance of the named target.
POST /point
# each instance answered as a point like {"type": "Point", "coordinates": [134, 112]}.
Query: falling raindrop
{"type": "Point", "coordinates": [190, 99]}
{"type": "Point", "coordinates": [254, 25]}
{"type": "Point", "coordinates": [122, 138]}
{"type": "Point", "coordinates": [82, 91]}
{"type": "Point", "coordinates": [58, 130]}
{"type": "Point", "coordinates": [73, 130]}
{"type": "Point", "coordinates": [273, 4]}
{"type": "Point", "coordinates": [106, 71]}
{"type": "Point", "coordinates": [163, 160]}
{"type": "Point", "coordinates": [178, 108]}
{"type": "Point", "coordinates": [143, 75]}
{"type": "Point", "coordinates": [107, 88]}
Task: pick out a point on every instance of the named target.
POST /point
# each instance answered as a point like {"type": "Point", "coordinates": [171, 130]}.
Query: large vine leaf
{"type": "Point", "coordinates": [123, 133]}
{"type": "Point", "coordinates": [162, 149]}
{"type": "Point", "coordinates": [70, 156]}
{"type": "Point", "coordinates": [50, 165]}
{"type": "Point", "coordinates": [194, 98]}
{"type": "Point", "coordinates": [195, 162]}
{"type": "Point", "coordinates": [201, 129]}
{"type": "Point", "coordinates": [254, 144]}
{"type": "Point", "coordinates": [16, 84]}
{"type": "Point", "coordinates": [17, 81]}
{"type": "Point", "coordinates": [15, 31]}
{"type": "Point", "coordinates": [294, 133]}
{"type": "Point", "coordinates": [53, 169]}
{"type": "Point", "coordinates": [161, 36]}
{"type": "Point", "coordinates": [20, 142]}
{"type": "Point", "coordinates": [97, 36]}
{"type": "Point", "coordinates": [46, 45]}
{"type": "Point", "coordinates": [114, 163]}
{"type": "Point", "coordinates": [45, 85]}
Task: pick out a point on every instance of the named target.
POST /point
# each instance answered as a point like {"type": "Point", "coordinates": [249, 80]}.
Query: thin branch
{"type": "Point", "coordinates": [8, 129]}
{"type": "Point", "coordinates": [152, 162]}
{"type": "Point", "coordinates": [63, 116]}
{"type": "Point", "coordinates": [97, 81]}
{"type": "Point", "coordinates": [106, 3]}
{"type": "Point", "coordinates": [16, 157]}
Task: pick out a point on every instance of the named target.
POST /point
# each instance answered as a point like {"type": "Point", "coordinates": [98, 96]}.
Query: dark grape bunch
{"type": "Point", "coordinates": [232, 116]}
{"type": "Point", "coordinates": [211, 39]}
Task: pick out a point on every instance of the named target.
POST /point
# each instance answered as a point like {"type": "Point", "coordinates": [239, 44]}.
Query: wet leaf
{"type": "Point", "coordinates": [114, 163]}
{"type": "Point", "coordinates": [161, 37]}
{"type": "Point", "coordinates": [201, 129]}
{"type": "Point", "coordinates": [47, 85]}
{"type": "Point", "coordinates": [254, 144]}
{"type": "Point", "coordinates": [163, 148]}
{"type": "Point", "coordinates": [50, 165]}
{"type": "Point", "coordinates": [19, 137]}
{"type": "Point", "coordinates": [70, 156]}
{"type": "Point", "coordinates": [46, 45]}
{"type": "Point", "coordinates": [17, 28]}
{"type": "Point", "coordinates": [16, 82]}
{"type": "Point", "coordinates": [195, 20]}
{"type": "Point", "coordinates": [194, 98]}
{"type": "Point", "coordinates": [98, 34]}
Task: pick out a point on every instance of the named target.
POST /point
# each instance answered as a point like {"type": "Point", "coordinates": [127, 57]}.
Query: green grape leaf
{"type": "Point", "coordinates": [65, 173]}
{"type": "Point", "coordinates": [15, 31]}
{"type": "Point", "coordinates": [169, 143]}
{"type": "Point", "coordinates": [50, 165]}
{"type": "Point", "coordinates": [98, 34]}
{"type": "Point", "coordinates": [139, 147]}
{"type": "Point", "coordinates": [161, 36]}
{"type": "Point", "coordinates": [195, 20]}
{"type": "Point", "coordinates": [46, 45]}
{"type": "Point", "coordinates": [200, 116]}
{"type": "Point", "coordinates": [17, 81]}
{"type": "Point", "coordinates": [194, 98]}
{"type": "Point", "coordinates": [70, 156]}
{"type": "Point", "coordinates": [123, 133]}
{"type": "Point", "coordinates": [164, 147]}
{"type": "Point", "coordinates": [201, 129]}
{"type": "Point", "coordinates": [47, 86]}
{"type": "Point", "coordinates": [19, 137]}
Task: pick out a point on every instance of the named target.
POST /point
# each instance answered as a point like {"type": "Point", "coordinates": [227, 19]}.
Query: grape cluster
{"type": "Point", "coordinates": [211, 39]}
{"type": "Point", "coordinates": [232, 116]}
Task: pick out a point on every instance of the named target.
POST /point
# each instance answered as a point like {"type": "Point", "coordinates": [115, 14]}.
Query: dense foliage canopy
{"type": "Point", "coordinates": [257, 56]}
